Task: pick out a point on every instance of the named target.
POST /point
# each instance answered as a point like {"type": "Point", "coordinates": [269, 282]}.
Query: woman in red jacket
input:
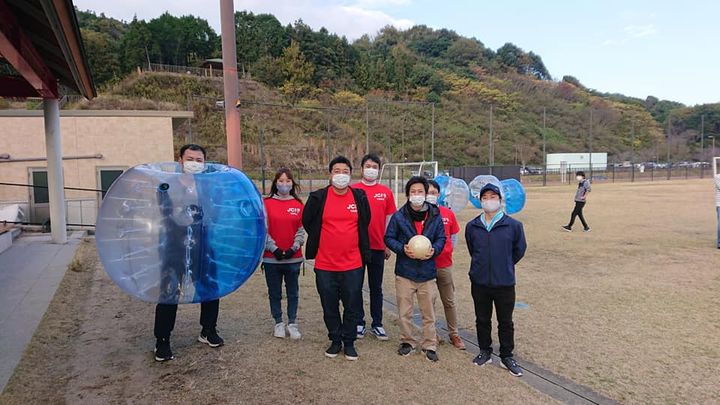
{"type": "Point", "coordinates": [283, 257]}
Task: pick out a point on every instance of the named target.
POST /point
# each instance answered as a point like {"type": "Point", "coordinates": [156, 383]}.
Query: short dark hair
{"type": "Point", "coordinates": [193, 146]}
{"type": "Point", "coordinates": [339, 159]}
{"type": "Point", "coordinates": [370, 156]}
{"type": "Point", "coordinates": [416, 180]}
{"type": "Point", "coordinates": [434, 184]}
{"type": "Point", "coordinates": [580, 173]}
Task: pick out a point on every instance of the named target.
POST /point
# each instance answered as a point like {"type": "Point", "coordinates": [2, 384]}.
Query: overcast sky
{"type": "Point", "coordinates": [663, 48]}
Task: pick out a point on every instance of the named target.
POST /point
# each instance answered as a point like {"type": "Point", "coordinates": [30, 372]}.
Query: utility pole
{"type": "Point", "coordinates": [668, 147]}
{"type": "Point", "coordinates": [702, 137]}
{"type": "Point", "coordinates": [367, 129]}
{"type": "Point", "coordinates": [591, 146]}
{"type": "Point", "coordinates": [432, 135]}
{"type": "Point", "coordinates": [262, 158]}
{"type": "Point", "coordinates": [544, 152]}
{"type": "Point", "coordinates": [230, 84]}
{"type": "Point", "coordinates": [632, 151]}
{"type": "Point", "coordinates": [491, 151]}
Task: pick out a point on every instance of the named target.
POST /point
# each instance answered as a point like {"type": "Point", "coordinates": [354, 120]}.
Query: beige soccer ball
{"type": "Point", "coordinates": [420, 246]}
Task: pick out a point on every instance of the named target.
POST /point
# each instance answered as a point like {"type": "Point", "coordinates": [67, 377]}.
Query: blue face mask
{"type": "Point", "coordinates": [284, 189]}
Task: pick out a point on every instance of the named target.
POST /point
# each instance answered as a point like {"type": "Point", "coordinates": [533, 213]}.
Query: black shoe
{"type": "Point", "coordinates": [162, 350]}
{"type": "Point", "coordinates": [405, 349]}
{"type": "Point", "coordinates": [511, 365]}
{"type": "Point", "coordinates": [483, 358]}
{"type": "Point", "coordinates": [566, 228]}
{"type": "Point", "coordinates": [587, 229]}
{"type": "Point", "coordinates": [211, 338]}
{"type": "Point", "coordinates": [333, 350]}
{"type": "Point", "coordinates": [431, 355]}
{"type": "Point", "coordinates": [351, 353]}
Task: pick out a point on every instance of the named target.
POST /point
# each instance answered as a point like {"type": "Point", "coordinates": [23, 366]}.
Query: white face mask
{"type": "Point", "coordinates": [579, 178]}
{"type": "Point", "coordinates": [370, 174]}
{"type": "Point", "coordinates": [193, 167]}
{"type": "Point", "coordinates": [490, 206]}
{"type": "Point", "coordinates": [417, 200]}
{"type": "Point", "coordinates": [340, 180]}
{"type": "Point", "coordinates": [432, 199]}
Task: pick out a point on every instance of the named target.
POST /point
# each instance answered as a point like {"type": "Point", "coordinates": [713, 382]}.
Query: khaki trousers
{"type": "Point", "coordinates": [404, 291]}
{"type": "Point", "coordinates": [446, 288]}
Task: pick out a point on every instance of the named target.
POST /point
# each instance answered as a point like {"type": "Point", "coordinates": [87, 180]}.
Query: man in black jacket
{"type": "Point", "coordinates": [336, 219]}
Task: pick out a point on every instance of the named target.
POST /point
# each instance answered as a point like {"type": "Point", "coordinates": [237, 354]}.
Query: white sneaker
{"type": "Point", "coordinates": [279, 330]}
{"type": "Point", "coordinates": [294, 331]}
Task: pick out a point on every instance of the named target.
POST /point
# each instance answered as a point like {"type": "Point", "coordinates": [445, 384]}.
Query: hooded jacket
{"type": "Point", "coordinates": [399, 231]}
{"type": "Point", "coordinates": [495, 253]}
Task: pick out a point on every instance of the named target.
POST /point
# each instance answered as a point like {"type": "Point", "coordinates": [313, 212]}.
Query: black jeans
{"type": "Point", "coordinates": [577, 212]}
{"type": "Point", "coordinates": [336, 286]}
{"type": "Point", "coordinates": [375, 278]}
{"type": "Point", "coordinates": [165, 317]}
{"type": "Point", "coordinates": [504, 300]}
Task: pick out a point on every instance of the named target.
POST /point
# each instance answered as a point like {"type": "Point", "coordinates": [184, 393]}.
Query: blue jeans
{"type": "Point", "coordinates": [375, 278]}
{"type": "Point", "coordinates": [274, 274]}
{"type": "Point", "coordinates": [336, 286]}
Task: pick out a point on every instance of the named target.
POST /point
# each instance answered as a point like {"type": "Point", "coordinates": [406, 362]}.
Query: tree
{"type": "Point", "coordinates": [102, 55]}
{"type": "Point", "coordinates": [137, 46]}
{"type": "Point", "coordinates": [297, 73]}
{"type": "Point", "coordinates": [465, 51]}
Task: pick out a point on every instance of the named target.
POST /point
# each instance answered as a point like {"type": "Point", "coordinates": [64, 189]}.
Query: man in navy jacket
{"type": "Point", "coordinates": [416, 275]}
{"type": "Point", "coordinates": [496, 243]}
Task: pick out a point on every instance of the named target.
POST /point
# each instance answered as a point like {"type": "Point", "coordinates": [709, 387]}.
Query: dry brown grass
{"type": "Point", "coordinates": [630, 309]}
{"type": "Point", "coordinates": [95, 346]}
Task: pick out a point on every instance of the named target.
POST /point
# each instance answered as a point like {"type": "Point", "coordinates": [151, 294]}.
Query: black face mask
{"type": "Point", "coordinates": [416, 216]}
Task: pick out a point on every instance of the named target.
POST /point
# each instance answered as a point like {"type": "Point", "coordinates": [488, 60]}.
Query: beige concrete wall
{"type": "Point", "coordinates": [123, 141]}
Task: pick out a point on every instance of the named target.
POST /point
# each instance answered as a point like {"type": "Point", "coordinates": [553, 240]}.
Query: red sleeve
{"type": "Point", "coordinates": [390, 207]}
{"type": "Point", "coordinates": [454, 227]}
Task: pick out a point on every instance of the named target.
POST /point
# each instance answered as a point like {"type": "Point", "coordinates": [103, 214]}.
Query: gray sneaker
{"type": "Point", "coordinates": [405, 349]}
{"type": "Point", "coordinates": [511, 365]}
{"type": "Point", "coordinates": [483, 358]}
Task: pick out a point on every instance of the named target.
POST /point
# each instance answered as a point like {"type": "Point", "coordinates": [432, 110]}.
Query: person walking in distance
{"type": "Point", "coordinates": [581, 194]}
{"type": "Point", "coordinates": [444, 263]}
{"type": "Point", "coordinates": [283, 257]}
{"type": "Point", "coordinates": [382, 206]}
{"type": "Point", "coordinates": [336, 219]}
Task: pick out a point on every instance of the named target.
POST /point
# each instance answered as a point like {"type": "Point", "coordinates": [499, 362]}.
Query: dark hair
{"type": "Point", "coordinates": [416, 180]}
{"type": "Point", "coordinates": [295, 187]}
{"type": "Point", "coordinates": [434, 184]}
{"type": "Point", "coordinates": [370, 156]}
{"type": "Point", "coordinates": [580, 173]}
{"type": "Point", "coordinates": [339, 159]}
{"type": "Point", "coordinates": [193, 146]}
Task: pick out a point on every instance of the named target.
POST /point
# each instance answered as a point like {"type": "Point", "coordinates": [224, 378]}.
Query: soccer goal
{"type": "Point", "coordinates": [716, 165]}
{"type": "Point", "coordinates": [395, 175]}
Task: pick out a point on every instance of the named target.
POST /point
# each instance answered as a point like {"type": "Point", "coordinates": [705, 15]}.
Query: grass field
{"type": "Point", "coordinates": [630, 310]}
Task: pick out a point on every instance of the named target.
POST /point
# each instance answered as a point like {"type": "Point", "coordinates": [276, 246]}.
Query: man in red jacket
{"type": "Point", "coordinates": [336, 219]}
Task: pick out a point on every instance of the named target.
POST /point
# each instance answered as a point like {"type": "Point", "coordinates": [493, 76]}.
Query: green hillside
{"type": "Point", "coordinates": [326, 93]}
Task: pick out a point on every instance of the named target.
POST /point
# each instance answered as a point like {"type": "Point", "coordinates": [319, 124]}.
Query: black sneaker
{"type": "Point", "coordinates": [511, 365]}
{"type": "Point", "coordinates": [483, 358]}
{"type": "Point", "coordinates": [333, 350]}
{"type": "Point", "coordinates": [162, 350]}
{"type": "Point", "coordinates": [431, 355]}
{"type": "Point", "coordinates": [587, 229]}
{"type": "Point", "coordinates": [211, 338]}
{"type": "Point", "coordinates": [405, 349]}
{"type": "Point", "coordinates": [566, 228]}
{"type": "Point", "coordinates": [350, 353]}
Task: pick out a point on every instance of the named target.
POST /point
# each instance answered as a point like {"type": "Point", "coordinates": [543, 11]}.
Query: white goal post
{"type": "Point", "coordinates": [716, 165]}
{"type": "Point", "coordinates": [395, 175]}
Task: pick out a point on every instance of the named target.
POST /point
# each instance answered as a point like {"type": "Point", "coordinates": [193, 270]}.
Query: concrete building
{"type": "Point", "coordinates": [97, 146]}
